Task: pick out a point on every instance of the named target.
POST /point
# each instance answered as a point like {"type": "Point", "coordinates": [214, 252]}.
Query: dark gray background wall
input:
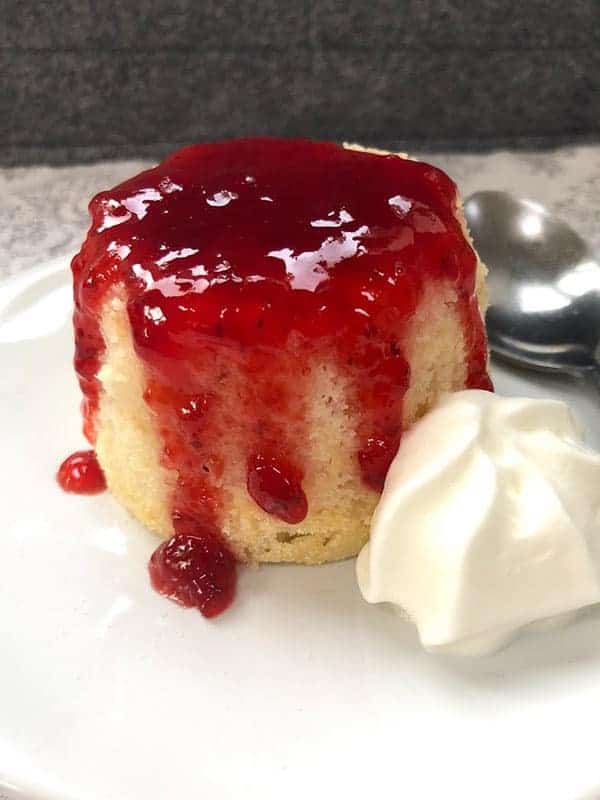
{"type": "Point", "coordinates": [84, 79]}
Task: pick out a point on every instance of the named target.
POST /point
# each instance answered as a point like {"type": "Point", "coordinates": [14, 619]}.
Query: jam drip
{"type": "Point", "coordinates": [246, 267]}
{"type": "Point", "coordinates": [276, 487]}
{"type": "Point", "coordinates": [81, 473]}
{"type": "Point", "coordinates": [194, 567]}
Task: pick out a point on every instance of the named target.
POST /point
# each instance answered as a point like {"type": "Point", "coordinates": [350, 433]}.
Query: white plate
{"type": "Point", "coordinates": [301, 690]}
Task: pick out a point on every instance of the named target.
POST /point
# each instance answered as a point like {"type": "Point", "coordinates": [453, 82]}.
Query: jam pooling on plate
{"type": "Point", "coordinates": [81, 473]}
{"type": "Point", "coordinates": [194, 568]}
{"type": "Point", "coordinates": [246, 263]}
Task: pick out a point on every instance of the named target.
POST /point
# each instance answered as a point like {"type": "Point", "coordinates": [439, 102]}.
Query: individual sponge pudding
{"type": "Point", "coordinates": [256, 323]}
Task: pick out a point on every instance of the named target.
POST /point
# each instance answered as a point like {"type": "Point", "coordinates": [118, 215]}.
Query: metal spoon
{"type": "Point", "coordinates": [544, 285]}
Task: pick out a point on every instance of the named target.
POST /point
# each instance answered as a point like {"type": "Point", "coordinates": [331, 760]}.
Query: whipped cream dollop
{"type": "Point", "coordinates": [488, 522]}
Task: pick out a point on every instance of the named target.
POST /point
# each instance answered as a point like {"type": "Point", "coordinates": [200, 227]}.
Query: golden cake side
{"type": "Point", "coordinates": [340, 505]}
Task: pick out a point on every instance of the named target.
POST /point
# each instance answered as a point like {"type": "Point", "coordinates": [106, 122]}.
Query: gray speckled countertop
{"type": "Point", "coordinates": [43, 209]}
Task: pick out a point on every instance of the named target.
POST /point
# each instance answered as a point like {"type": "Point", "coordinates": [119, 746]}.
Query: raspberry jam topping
{"type": "Point", "coordinates": [276, 487]}
{"type": "Point", "coordinates": [81, 473]}
{"type": "Point", "coordinates": [194, 568]}
{"type": "Point", "coordinates": [247, 267]}
{"type": "Point", "coordinates": [375, 460]}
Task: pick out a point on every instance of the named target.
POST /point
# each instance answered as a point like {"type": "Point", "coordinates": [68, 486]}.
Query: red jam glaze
{"type": "Point", "coordinates": [247, 263]}
{"type": "Point", "coordinates": [81, 473]}
{"type": "Point", "coordinates": [194, 568]}
{"type": "Point", "coordinates": [375, 459]}
{"type": "Point", "coordinates": [276, 487]}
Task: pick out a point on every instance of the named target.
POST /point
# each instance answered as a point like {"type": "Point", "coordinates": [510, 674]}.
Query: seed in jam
{"type": "Point", "coordinates": [81, 473]}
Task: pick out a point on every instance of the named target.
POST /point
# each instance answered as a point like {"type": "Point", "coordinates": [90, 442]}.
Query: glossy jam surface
{"type": "Point", "coordinates": [81, 473]}
{"type": "Point", "coordinates": [194, 568]}
{"type": "Point", "coordinates": [277, 488]}
{"type": "Point", "coordinates": [247, 264]}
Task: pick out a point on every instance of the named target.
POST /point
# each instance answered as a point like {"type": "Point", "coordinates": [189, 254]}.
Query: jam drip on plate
{"type": "Point", "coordinates": [246, 266]}
{"type": "Point", "coordinates": [81, 473]}
{"type": "Point", "coordinates": [194, 567]}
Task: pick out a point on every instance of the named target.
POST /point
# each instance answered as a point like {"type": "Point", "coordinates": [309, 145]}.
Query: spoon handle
{"type": "Point", "coordinates": [593, 376]}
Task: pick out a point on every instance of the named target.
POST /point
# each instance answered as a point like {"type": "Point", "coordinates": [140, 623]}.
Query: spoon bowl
{"type": "Point", "coordinates": [544, 285]}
